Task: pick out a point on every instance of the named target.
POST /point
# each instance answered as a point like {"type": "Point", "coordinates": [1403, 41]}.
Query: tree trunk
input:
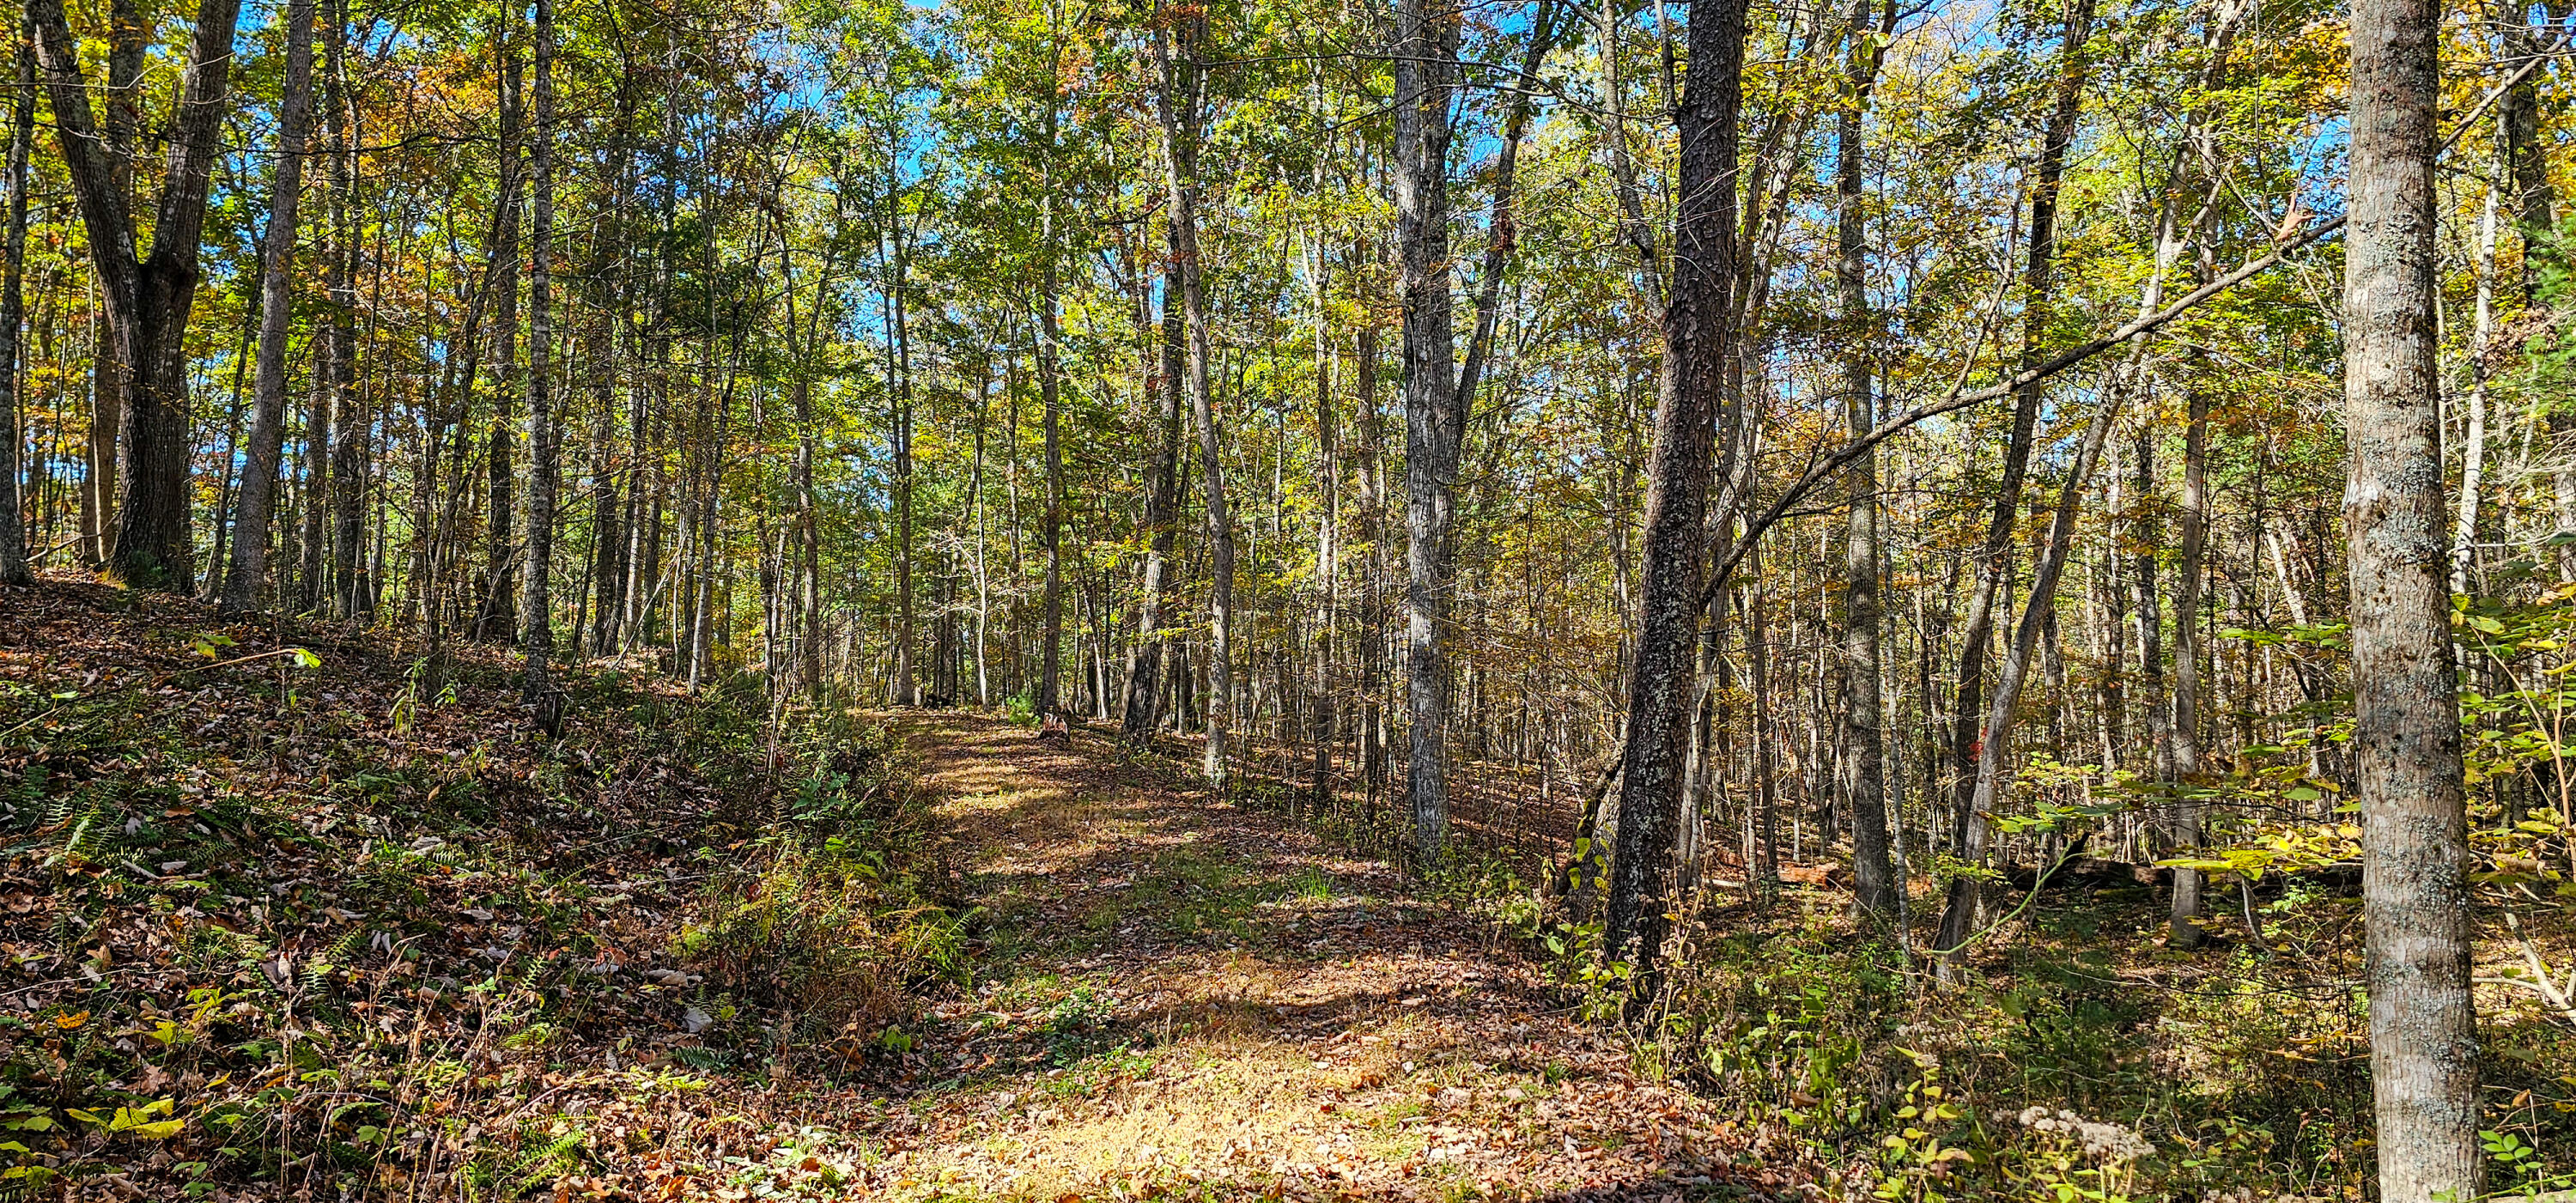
{"type": "Point", "coordinates": [1977, 629]}
{"type": "Point", "coordinates": [1180, 104]}
{"type": "Point", "coordinates": [148, 299]}
{"type": "Point", "coordinates": [2185, 729]}
{"type": "Point", "coordinates": [1162, 506]}
{"type": "Point", "coordinates": [2406, 728]}
{"type": "Point", "coordinates": [536, 616]}
{"type": "Point", "coordinates": [1698, 338]}
{"type": "Point", "coordinates": [497, 615]}
{"type": "Point", "coordinates": [2525, 155]}
{"type": "Point", "coordinates": [1995, 749]}
{"type": "Point", "coordinates": [1425, 51]}
{"type": "Point", "coordinates": [1864, 778]}
{"type": "Point", "coordinates": [2473, 464]}
{"type": "Point", "coordinates": [351, 481]}
{"type": "Point", "coordinates": [1050, 404]}
{"type": "Point", "coordinates": [13, 311]}
{"type": "Point", "coordinates": [252, 514]}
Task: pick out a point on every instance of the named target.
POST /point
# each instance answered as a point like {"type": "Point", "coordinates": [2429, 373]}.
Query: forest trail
{"type": "Point", "coordinates": [1182, 995]}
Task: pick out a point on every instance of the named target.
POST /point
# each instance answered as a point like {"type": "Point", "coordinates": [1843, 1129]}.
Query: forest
{"type": "Point", "coordinates": [1976, 596]}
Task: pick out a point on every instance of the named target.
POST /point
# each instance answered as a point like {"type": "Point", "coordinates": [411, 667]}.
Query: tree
{"type": "Point", "coordinates": [1180, 103]}
{"type": "Point", "coordinates": [1968, 735]}
{"type": "Point", "coordinates": [1698, 331]}
{"type": "Point", "coordinates": [536, 610]}
{"type": "Point", "coordinates": [247, 575]}
{"type": "Point", "coordinates": [1864, 777]}
{"type": "Point", "coordinates": [147, 297]}
{"type": "Point", "coordinates": [13, 315]}
{"type": "Point", "coordinates": [1425, 53]}
{"type": "Point", "coordinates": [2406, 729]}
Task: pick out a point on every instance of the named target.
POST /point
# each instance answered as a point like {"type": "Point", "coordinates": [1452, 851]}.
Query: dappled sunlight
{"type": "Point", "coordinates": [1190, 994]}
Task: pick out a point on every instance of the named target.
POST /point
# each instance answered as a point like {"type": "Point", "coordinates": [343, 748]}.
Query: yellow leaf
{"type": "Point", "coordinates": [139, 1121]}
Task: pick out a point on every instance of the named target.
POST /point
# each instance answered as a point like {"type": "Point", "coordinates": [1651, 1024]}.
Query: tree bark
{"type": "Point", "coordinates": [246, 575]}
{"type": "Point", "coordinates": [1162, 506]}
{"type": "Point", "coordinates": [1179, 103]}
{"type": "Point", "coordinates": [2038, 274]}
{"type": "Point", "coordinates": [1874, 883]}
{"type": "Point", "coordinates": [2185, 729]}
{"type": "Point", "coordinates": [1995, 749]}
{"type": "Point", "coordinates": [497, 615]}
{"type": "Point", "coordinates": [355, 431]}
{"type": "Point", "coordinates": [1425, 53]}
{"type": "Point", "coordinates": [2406, 729]}
{"type": "Point", "coordinates": [536, 616]}
{"type": "Point", "coordinates": [13, 312]}
{"type": "Point", "coordinates": [1698, 341]}
{"type": "Point", "coordinates": [1051, 408]}
{"type": "Point", "coordinates": [148, 298]}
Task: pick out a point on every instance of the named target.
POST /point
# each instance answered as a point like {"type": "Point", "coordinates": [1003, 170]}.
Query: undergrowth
{"type": "Point", "coordinates": [341, 922]}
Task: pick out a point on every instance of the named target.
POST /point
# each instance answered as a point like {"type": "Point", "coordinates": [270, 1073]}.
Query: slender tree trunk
{"type": "Point", "coordinates": [899, 391]}
{"type": "Point", "coordinates": [2185, 729]}
{"type": "Point", "coordinates": [1162, 509]}
{"type": "Point", "coordinates": [13, 312]}
{"type": "Point", "coordinates": [2473, 464]}
{"type": "Point", "coordinates": [246, 575]}
{"type": "Point", "coordinates": [1050, 403]}
{"type": "Point", "coordinates": [2037, 615]}
{"type": "Point", "coordinates": [1425, 51]}
{"type": "Point", "coordinates": [1864, 749]}
{"type": "Point", "coordinates": [497, 616]}
{"type": "Point", "coordinates": [354, 429]}
{"type": "Point", "coordinates": [1977, 629]}
{"type": "Point", "coordinates": [2525, 154]}
{"type": "Point", "coordinates": [1698, 330]}
{"type": "Point", "coordinates": [2406, 728]}
{"type": "Point", "coordinates": [536, 611]}
{"type": "Point", "coordinates": [1180, 104]}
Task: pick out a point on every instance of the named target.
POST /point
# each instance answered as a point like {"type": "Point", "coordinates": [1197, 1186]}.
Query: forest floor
{"type": "Point", "coordinates": [1176, 993]}
{"type": "Point", "coordinates": [309, 912]}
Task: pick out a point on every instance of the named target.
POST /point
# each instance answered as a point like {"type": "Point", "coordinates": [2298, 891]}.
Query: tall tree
{"type": "Point", "coordinates": [536, 609]}
{"type": "Point", "coordinates": [1699, 328]}
{"type": "Point", "coordinates": [2406, 727]}
{"type": "Point", "coordinates": [246, 576]}
{"type": "Point", "coordinates": [148, 298]}
{"type": "Point", "coordinates": [13, 316]}
{"type": "Point", "coordinates": [1180, 103]}
{"type": "Point", "coordinates": [351, 483]}
{"type": "Point", "coordinates": [1968, 736]}
{"type": "Point", "coordinates": [496, 617]}
{"type": "Point", "coordinates": [1162, 509]}
{"type": "Point", "coordinates": [1425, 55]}
{"type": "Point", "coordinates": [1874, 883]}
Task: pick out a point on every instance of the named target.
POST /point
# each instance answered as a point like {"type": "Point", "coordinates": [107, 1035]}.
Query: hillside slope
{"type": "Point", "coordinates": [342, 923]}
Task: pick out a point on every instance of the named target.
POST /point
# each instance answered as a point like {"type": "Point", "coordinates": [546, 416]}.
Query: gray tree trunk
{"type": "Point", "coordinates": [1874, 883]}
{"type": "Point", "coordinates": [1425, 53]}
{"type": "Point", "coordinates": [2406, 729]}
{"type": "Point", "coordinates": [1977, 630]}
{"type": "Point", "coordinates": [1162, 507]}
{"type": "Point", "coordinates": [537, 631]}
{"type": "Point", "coordinates": [497, 616]}
{"type": "Point", "coordinates": [2185, 728]}
{"type": "Point", "coordinates": [1179, 103]}
{"type": "Point", "coordinates": [246, 575]}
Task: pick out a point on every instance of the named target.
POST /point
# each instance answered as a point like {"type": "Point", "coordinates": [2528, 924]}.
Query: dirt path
{"type": "Point", "coordinates": [1182, 996]}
